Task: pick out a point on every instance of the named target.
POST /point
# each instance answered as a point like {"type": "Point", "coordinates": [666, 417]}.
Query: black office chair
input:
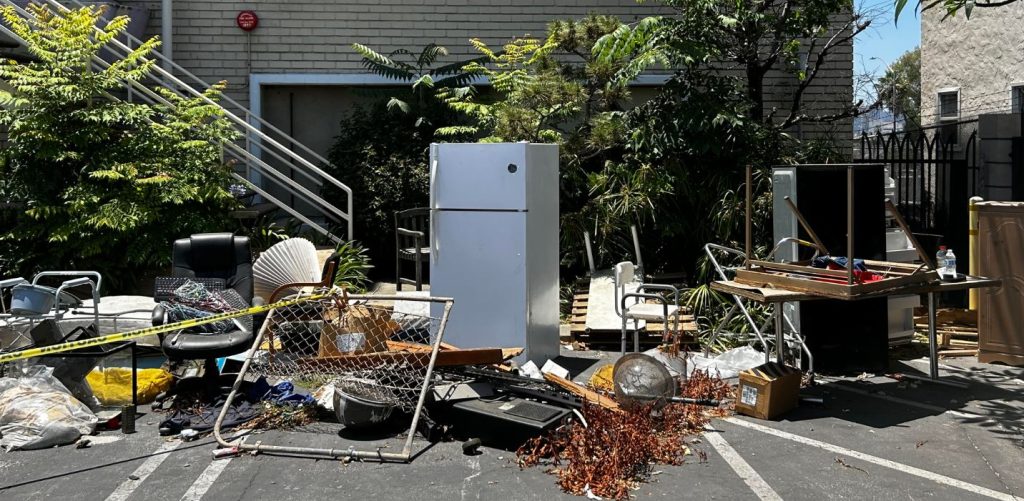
{"type": "Point", "coordinates": [218, 256]}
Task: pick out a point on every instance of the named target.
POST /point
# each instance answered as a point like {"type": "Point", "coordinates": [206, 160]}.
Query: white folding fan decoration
{"type": "Point", "coordinates": [286, 262]}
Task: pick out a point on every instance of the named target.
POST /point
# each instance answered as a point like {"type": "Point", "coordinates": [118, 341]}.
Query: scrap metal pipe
{"type": "Point", "coordinates": [750, 201]}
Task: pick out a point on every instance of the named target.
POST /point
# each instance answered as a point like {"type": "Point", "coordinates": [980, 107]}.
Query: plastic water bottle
{"type": "Point", "coordinates": [940, 261]}
{"type": "Point", "coordinates": [950, 264]}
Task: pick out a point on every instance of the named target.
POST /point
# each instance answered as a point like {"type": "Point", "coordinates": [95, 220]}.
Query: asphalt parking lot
{"type": "Point", "coordinates": [871, 438]}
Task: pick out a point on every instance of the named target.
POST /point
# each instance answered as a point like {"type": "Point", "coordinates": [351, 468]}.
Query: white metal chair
{"type": "Point", "coordinates": [625, 273]}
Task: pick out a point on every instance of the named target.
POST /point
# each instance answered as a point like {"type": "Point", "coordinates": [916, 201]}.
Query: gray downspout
{"type": "Point", "coordinates": [166, 28]}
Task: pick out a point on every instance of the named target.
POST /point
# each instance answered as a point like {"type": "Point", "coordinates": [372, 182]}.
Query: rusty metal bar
{"type": "Point", "coordinates": [849, 225]}
{"type": "Point", "coordinates": [806, 226]}
{"type": "Point", "coordinates": [750, 200]}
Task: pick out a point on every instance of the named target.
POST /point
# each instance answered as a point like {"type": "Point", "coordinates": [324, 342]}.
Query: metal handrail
{"type": "Point", "coordinates": [176, 85]}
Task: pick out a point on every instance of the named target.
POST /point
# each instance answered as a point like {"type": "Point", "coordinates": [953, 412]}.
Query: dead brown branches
{"type": "Point", "coordinates": [616, 450]}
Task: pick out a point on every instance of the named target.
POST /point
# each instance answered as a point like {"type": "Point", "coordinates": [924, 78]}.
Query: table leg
{"type": "Point", "coordinates": [779, 341]}
{"type": "Point", "coordinates": [933, 343]}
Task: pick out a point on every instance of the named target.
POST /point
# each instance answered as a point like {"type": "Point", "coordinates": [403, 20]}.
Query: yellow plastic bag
{"type": "Point", "coordinates": [602, 379]}
{"type": "Point", "coordinates": [113, 385]}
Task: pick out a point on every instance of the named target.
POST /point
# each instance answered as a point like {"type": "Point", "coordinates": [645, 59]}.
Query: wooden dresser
{"type": "Point", "coordinates": [1001, 309]}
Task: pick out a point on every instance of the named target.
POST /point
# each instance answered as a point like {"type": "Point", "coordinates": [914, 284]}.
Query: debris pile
{"type": "Point", "coordinates": [614, 450]}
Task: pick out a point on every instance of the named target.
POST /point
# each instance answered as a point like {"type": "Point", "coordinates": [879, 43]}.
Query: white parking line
{"type": "Point", "coordinates": [207, 478]}
{"type": "Point", "coordinates": [740, 466]}
{"type": "Point", "coordinates": [917, 472]}
{"type": "Point", "coordinates": [148, 466]}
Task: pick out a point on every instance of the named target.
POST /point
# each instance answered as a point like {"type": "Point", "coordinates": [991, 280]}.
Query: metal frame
{"type": "Point", "coordinates": [623, 311]}
{"type": "Point", "coordinates": [56, 312]}
{"type": "Point", "coordinates": [776, 317]}
{"type": "Point", "coordinates": [351, 453]}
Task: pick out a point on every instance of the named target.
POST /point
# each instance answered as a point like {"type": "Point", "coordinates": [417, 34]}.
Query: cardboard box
{"type": "Point", "coordinates": [361, 330]}
{"type": "Point", "coordinates": [768, 391]}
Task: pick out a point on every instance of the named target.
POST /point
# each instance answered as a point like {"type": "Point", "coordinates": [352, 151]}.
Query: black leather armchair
{"type": "Point", "coordinates": [212, 256]}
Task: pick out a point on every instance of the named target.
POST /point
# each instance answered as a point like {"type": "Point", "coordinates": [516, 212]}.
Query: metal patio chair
{"type": "Point", "coordinates": [625, 273]}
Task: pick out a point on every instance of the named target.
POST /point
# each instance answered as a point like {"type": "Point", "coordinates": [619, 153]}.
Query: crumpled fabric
{"type": "Point", "coordinates": [284, 393]}
{"type": "Point", "coordinates": [241, 411]}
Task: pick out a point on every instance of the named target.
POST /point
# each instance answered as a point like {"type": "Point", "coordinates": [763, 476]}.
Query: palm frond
{"type": "Point", "coordinates": [382, 65]}
{"type": "Point", "coordinates": [398, 103]}
{"type": "Point", "coordinates": [430, 53]}
{"type": "Point", "coordinates": [454, 68]}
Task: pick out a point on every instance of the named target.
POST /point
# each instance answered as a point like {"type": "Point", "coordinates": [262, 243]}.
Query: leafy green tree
{"type": "Point", "coordinates": [382, 154]}
{"type": "Point", "coordinates": [382, 149]}
{"type": "Point", "coordinates": [754, 37]}
{"type": "Point", "coordinates": [105, 184]}
{"type": "Point", "coordinates": [555, 90]}
{"type": "Point", "coordinates": [899, 89]}
{"type": "Point", "coordinates": [418, 69]}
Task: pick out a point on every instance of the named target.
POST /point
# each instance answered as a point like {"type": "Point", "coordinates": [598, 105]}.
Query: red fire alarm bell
{"type": "Point", "coordinates": [247, 20]}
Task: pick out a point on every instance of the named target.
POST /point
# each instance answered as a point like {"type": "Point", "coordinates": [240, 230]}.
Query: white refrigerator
{"type": "Point", "coordinates": [494, 244]}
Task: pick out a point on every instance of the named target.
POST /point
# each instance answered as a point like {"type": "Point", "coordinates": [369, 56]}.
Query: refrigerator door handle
{"type": "Point", "coordinates": [435, 246]}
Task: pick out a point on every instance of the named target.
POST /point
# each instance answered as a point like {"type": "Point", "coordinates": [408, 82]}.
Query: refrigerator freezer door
{"type": "Point", "coordinates": [478, 176]}
{"type": "Point", "coordinates": [480, 263]}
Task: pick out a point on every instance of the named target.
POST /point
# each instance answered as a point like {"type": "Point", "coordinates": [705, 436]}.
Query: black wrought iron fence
{"type": "Point", "coordinates": [935, 170]}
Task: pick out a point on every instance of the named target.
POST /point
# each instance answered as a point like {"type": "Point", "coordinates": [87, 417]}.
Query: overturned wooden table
{"type": "Point", "coordinates": [777, 296]}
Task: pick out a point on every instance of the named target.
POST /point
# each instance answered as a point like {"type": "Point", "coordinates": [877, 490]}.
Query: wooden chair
{"type": "Point", "coordinates": [412, 243]}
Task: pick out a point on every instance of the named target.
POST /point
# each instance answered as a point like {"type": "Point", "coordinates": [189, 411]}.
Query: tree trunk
{"type": "Point", "coordinates": [755, 90]}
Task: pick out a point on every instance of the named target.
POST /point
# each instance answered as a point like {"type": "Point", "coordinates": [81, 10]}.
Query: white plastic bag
{"type": "Point", "coordinates": [728, 365]}
{"type": "Point", "coordinates": [37, 411]}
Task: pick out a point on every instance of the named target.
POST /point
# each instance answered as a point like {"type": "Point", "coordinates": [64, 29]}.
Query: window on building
{"type": "Point", "coordinates": [1017, 98]}
{"type": "Point", "coordinates": [949, 105]}
{"type": "Point", "coordinates": [949, 113]}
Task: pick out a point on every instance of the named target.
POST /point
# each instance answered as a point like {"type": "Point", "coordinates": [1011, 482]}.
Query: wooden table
{"type": "Point", "coordinates": [778, 296]}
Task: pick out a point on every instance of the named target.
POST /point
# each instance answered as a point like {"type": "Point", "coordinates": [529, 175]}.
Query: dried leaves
{"type": "Point", "coordinates": [282, 417]}
{"type": "Point", "coordinates": [617, 450]}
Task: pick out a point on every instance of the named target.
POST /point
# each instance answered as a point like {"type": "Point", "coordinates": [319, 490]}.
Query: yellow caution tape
{"type": "Point", "coordinates": [161, 329]}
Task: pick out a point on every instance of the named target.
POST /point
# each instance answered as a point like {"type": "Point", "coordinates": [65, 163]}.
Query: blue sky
{"type": "Point", "coordinates": [883, 39]}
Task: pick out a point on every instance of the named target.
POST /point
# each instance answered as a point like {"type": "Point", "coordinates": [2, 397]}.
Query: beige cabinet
{"type": "Point", "coordinates": [1001, 309]}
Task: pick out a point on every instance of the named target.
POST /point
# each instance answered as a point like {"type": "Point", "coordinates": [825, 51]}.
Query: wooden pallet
{"type": "Point", "coordinates": [957, 332]}
{"type": "Point", "coordinates": [649, 336]}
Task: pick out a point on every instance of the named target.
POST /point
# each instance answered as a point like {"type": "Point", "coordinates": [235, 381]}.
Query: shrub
{"type": "Point", "coordinates": [105, 184]}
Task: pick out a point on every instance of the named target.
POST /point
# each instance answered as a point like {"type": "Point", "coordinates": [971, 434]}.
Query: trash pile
{"type": "Point", "coordinates": [366, 364]}
{"type": "Point", "coordinates": [37, 411]}
{"type": "Point", "coordinates": [609, 451]}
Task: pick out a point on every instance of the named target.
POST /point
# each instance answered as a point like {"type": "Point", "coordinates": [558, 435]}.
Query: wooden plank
{"type": "Point", "coordinates": [477, 356]}
{"type": "Point", "coordinates": [584, 393]}
{"type": "Point", "coordinates": [958, 353]}
{"type": "Point", "coordinates": [925, 258]}
{"type": "Point", "coordinates": [843, 291]}
{"type": "Point", "coordinates": [761, 295]}
{"type": "Point", "coordinates": [400, 346]}
{"type": "Point", "coordinates": [799, 268]}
